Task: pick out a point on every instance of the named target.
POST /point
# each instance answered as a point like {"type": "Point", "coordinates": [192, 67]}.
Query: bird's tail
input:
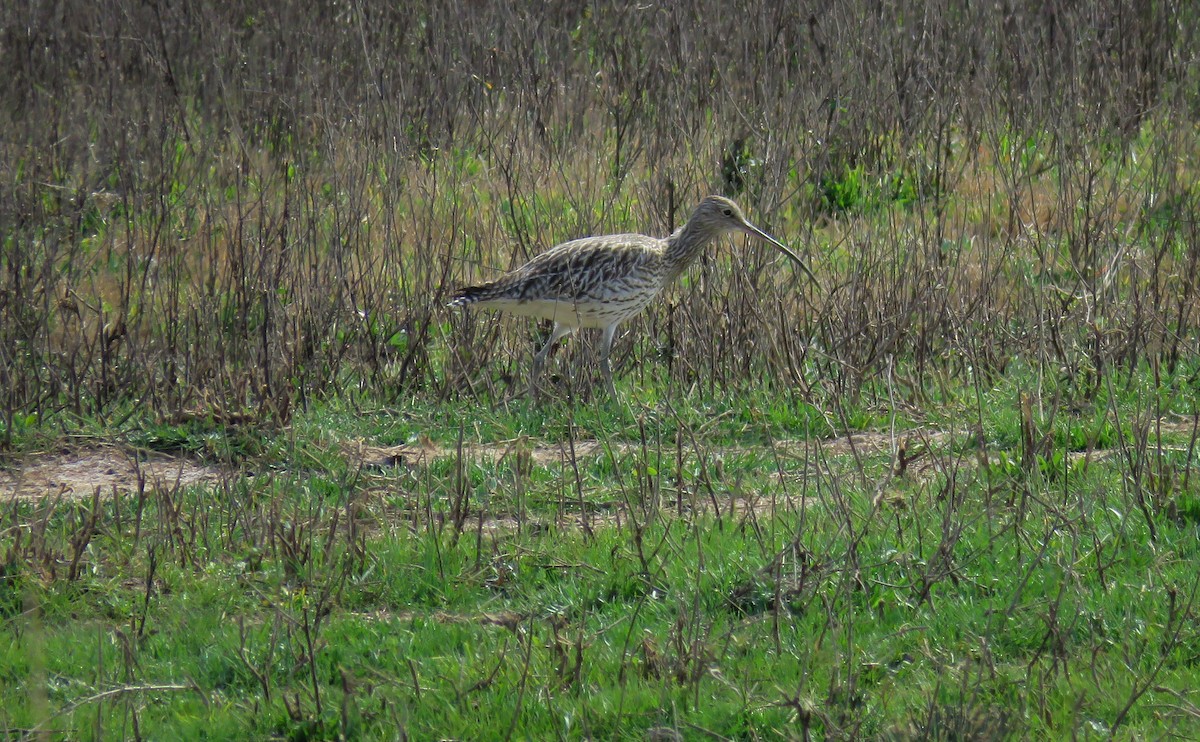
{"type": "Point", "coordinates": [471, 294]}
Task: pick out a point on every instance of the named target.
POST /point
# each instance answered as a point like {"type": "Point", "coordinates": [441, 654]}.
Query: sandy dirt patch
{"type": "Point", "coordinates": [78, 473]}
{"type": "Point", "coordinates": [422, 453]}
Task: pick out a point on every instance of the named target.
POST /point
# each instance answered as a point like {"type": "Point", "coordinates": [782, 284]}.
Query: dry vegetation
{"type": "Point", "coordinates": [228, 207]}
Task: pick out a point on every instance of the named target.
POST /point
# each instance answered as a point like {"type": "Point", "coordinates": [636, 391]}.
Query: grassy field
{"type": "Point", "coordinates": [259, 483]}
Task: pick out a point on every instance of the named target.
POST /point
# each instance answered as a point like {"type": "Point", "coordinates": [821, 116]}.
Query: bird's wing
{"type": "Point", "coordinates": [574, 269]}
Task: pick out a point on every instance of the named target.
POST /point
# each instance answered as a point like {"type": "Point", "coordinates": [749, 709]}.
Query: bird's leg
{"type": "Point", "coordinates": [606, 343]}
{"type": "Point", "coordinates": [539, 360]}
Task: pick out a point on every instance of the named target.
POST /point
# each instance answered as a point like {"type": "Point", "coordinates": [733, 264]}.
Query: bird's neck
{"type": "Point", "coordinates": [684, 246]}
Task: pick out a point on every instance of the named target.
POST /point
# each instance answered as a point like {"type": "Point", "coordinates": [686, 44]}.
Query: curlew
{"type": "Point", "coordinates": [602, 281]}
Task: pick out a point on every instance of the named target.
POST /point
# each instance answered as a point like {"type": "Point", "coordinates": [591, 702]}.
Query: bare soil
{"type": "Point", "coordinates": [78, 473]}
{"type": "Point", "coordinates": [420, 454]}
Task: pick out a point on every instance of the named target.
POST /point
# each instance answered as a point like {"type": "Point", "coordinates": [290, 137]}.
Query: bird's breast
{"type": "Point", "coordinates": [585, 311]}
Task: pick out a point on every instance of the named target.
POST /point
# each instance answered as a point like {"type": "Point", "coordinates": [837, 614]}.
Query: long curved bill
{"type": "Point", "coordinates": [781, 248]}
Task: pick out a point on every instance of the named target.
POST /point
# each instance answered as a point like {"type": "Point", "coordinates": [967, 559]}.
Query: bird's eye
{"type": "Point", "coordinates": [727, 211]}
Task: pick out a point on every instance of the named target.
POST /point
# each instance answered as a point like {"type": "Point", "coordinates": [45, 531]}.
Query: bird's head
{"type": "Point", "coordinates": [720, 214]}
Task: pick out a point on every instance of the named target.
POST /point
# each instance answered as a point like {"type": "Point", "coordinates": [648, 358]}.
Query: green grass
{"type": "Point", "coordinates": [465, 599]}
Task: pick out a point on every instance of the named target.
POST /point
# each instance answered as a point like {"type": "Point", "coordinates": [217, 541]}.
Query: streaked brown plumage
{"type": "Point", "coordinates": [602, 281]}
